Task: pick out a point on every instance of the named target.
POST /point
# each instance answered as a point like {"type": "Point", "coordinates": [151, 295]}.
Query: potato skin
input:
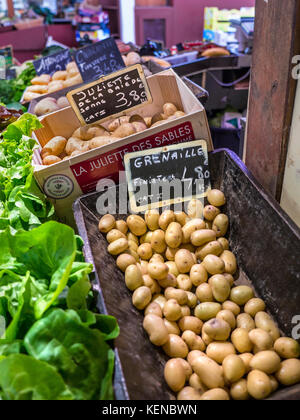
{"type": "Point", "coordinates": [173, 236]}
{"type": "Point", "coordinates": [259, 385]}
{"type": "Point", "coordinates": [266, 323]}
{"type": "Point", "coordinates": [289, 372]}
{"type": "Point", "coordinates": [174, 374]}
{"type": "Point", "coordinates": [176, 347]}
{"type": "Point", "coordinates": [216, 198]}
{"type": "Point", "coordinates": [219, 350]}
{"type": "Point", "coordinates": [217, 394]}
{"type": "Point", "coordinates": [266, 361]}
{"type": "Point", "coordinates": [137, 225]}
{"type": "Point", "coordinates": [287, 348]}
{"type": "Point", "coordinates": [156, 329]}
{"type": "Point", "coordinates": [209, 372]}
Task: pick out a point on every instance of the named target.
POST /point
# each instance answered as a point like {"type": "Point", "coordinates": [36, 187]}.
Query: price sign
{"type": "Point", "coordinates": [52, 63]}
{"type": "Point", "coordinates": [167, 175]}
{"type": "Point", "coordinates": [111, 95]}
{"type": "Point", "coordinates": [99, 59]}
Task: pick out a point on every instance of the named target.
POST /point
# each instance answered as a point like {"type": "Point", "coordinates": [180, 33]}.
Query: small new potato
{"type": "Point", "coordinates": [219, 350]}
{"type": "Point", "coordinates": [172, 327]}
{"type": "Point", "coordinates": [184, 261]}
{"type": "Point", "coordinates": [287, 348]}
{"type": "Point", "coordinates": [234, 368]}
{"type": "Point", "coordinates": [172, 310]}
{"type": "Point", "coordinates": [217, 329]}
{"type": "Point", "coordinates": [156, 329]}
{"type": "Point", "coordinates": [151, 283]}
{"type": "Point", "coordinates": [203, 236]}
{"type": "Point", "coordinates": [289, 372]}
{"type": "Point", "coordinates": [153, 309]}
{"type": "Point", "coordinates": [220, 287]}
{"type": "Point", "coordinates": [227, 316]}
{"type": "Point", "coordinates": [176, 347]}
{"type": "Point", "coordinates": [133, 277]}
{"type": "Point", "coordinates": [231, 306]}
{"type": "Point", "coordinates": [114, 235]}
{"type": "Point", "coordinates": [146, 239]}
{"type": "Point", "coordinates": [185, 310]}
{"type": "Point", "coordinates": [166, 218]}
{"type": "Point", "coordinates": [141, 297]}
{"type": "Point", "coordinates": [210, 212]}
{"type": "Point", "coordinates": [254, 306]}
{"type": "Point", "coordinates": [160, 299]}
{"type": "Point", "coordinates": [209, 372]}
{"type": "Point", "coordinates": [216, 198]}
{"type": "Point", "coordinates": [266, 323]}
{"type": "Point", "coordinates": [118, 247]}
{"type": "Point", "coordinates": [189, 394]}
{"type": "Point", "coordinates": [217, 394]}
{"type": "Point", "coordinates": [121, 225]}
{"type": "Point", "coordinates": [223, 242]}
{"type": "Point", "coordinates": [212, 248]}
{"type": "Point", "coordinates": [239, 391]}
{"type": "Point", "coordinates": [246, 322]}
{"type": "Point", "coordinates": [145, 251]}
{"type": "Point", "coordinates": [198, 274]}
{"type": "Point", "coordinates": [177, 294]}
{"type": "Point", "coordinates": [207, 310]}
{"type": "Point", "coordinates": [107, 223]}
{"type": "Point", "coordinates": [259, 385]}
{"type": "Point", "coordinates": [190, 227]}
{"type": "Point", "coordinates": [173, 236]}
{"type": "Point", "coordinates": [169, 281]}
{"type": "Point", "coordinates": [137, 225]}
{"type": "Point", "coordinates": [158, 270]}
{"type": "Point", "coordinates": [230, 262]}
{"type": "Point", "coordinates": [170, 253]}
{"type": "Point", "coordinates": [246, 358]}
{"type": "Point", "coordinates": [214, 265]}
{"type": "Point", "coordinates": [266, 361]}
{"type": "Point", "coordinates": [124, 261]}
{"type": "Point", "coordinates": [192, 299]}
{"type": "Point", "coordinates": [195, 383]}
{"type": "Point", "coordinates": [157, 258]}
{"type": "Point", "coordinates": [172, 268]}
{"type": "Point", "coordinates": [241, 341]}
{"type": "Point", "coordinates": [151, 218]}
{"type": "Point", "coordinates": [241, 295]}
{"type": "Point", "coordinates": [184, 282]}
{"type": "Point", "coordinates": [191, 323]}
{"type": "Point", "coordinates": [158, 242]}
{"type": "Point", "coordinates": [220, 225]}
{"type": "Point", "coordinates": [181, 217]}
{"type": "Point", "coordinates": [175, 374]}
{"type": "Point", "coordinates": [193, 341]}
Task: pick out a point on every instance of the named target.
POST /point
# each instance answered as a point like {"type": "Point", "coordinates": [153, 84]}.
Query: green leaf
{"type": "Point", "coordinates": [24, 378]}
{"type": "Point", "coordinates": [107, 390]}
{"type": "Point", "coordinates": [77, 294]}
{"type": "Point", "coordinates": [8, 347]}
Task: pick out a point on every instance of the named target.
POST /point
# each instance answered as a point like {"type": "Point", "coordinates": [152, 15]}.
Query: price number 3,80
{"type": "Point", "coordinates": [123, 101]}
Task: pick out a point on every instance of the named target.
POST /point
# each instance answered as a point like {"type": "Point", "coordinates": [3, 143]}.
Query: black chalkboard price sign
{"type": "Point", "coordinates": [168, 175]}
{"type": "Point", "coordinates": [111, 95]}
{"type": "Point", "coordinates": [52, 63]}
{"type": "Point", "coordinates": [99, 59]}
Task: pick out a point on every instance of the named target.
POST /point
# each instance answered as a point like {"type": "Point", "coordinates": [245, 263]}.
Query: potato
{"type": "Point", "coordinates": [239, 391]}
{"type": "Point", "coordinates": [156, 329]}
{"type": "Point", "coordinates": [133, 238]}
{"type": "Point", "coordinates": [139, 126]}
{"type": "Point", "coordinates": [181, 217]}
{"type": "Point", "coordinates": [175, 347]}
{"type": "Point", "coordinates": [195, 383]}
{"type": "Point", "coordinates": [210, 212]}
{"type": "Point", "coordinates": [208, 310]}
{"type": "Point", "coordinates": [231, 306]}
{"type": "Point", "coordinates": [169, 281]}
{"type": "Point", "coordinates": [146, 239]}
{"type": "Point", "coordinates": [219, 350]}
{"type": "Point", "coordinates": [114, 235]}
{"type": "Point", "coordinates": [145, 251]}
{"type": "Point", "coordinates": [234, 368]}
{"type": "Point", "coordinates": [184, 261]}
{"type": "Point", "coordinates": [57, 145]}
{"type": "Point", "coordinates": [202, 237]}
{"type": "Point", "coordinates": [133, 246]}
{"type": "Point", "coordinates": [158, 242]}
{"type": "Point", "coordinates": [204, 293]}
{"type": "Point", "coordinates": [121, 225]}
{"type": "Point", "coordinates": [195, 209]}
{"type": "Point", "coordinates": [125, 130]}
{"type": "Point", "coordinates": [230, 262]}
{"type": "Point", "coordinates": [289, 372]}
{"type": "Point", "coordinates": [133, 58]}
{"type": "Point", "coordinates": [193, 355]}
{"type": "Point", "coordinates": [212, 248]}
{"type": "Point", "coordinates": [55, 86]}
{"type": "Point", "coordinates": [265, 322]}
{"type": "Point", "coordinates": [173, 236]}
{"type": "Point", "coordinates": [246, 322]}
{"type": "Point", "coordinates": [241, 341]}
{"type": "Point", "coordinates": [170, 253]}
{"type": "Point", "coordinates": [241, 295]}
{"type": "Point", "coordinates": [165, 219]}
{"type": "Point", "coordinates": [99, 142]}
{"type": "Point", "coordinates": [158, 270]}
{"type": "Point", "coordinates": [190, 323]}
{"type": "Point", "coordinates": [107, 223]}
{"type": "Point", "coordinates": [172, 268]}
{"type": "Point", "coordinates": [185, 310]}
{"type": "Point", "coordinates": [172, 327]}
{"type": "Point", "coordinates": [76, 145]}
{"type": "Point", "coordinates": [177, 294]}
{"type": "Point", "coordinates": [136, 225]}
{"type": "Point", "coordinates": [124, 261]}
{"type": "Point", "coordinates": [151, 218]}
{"type": "Point", "coordinates": [153, 309]}
{"type": "Point", "coordinates": [198, 274]}
{"type": "Point", "coordinates": [151, 283]}
{"type": "Point", "coordinates": [118, 247]}
{"type": "Point", "coordinates": [175, 375]}
{"type": "Point", "coordinates": [227, 316]}
{"type": "Point", "coordinates": [246, 358]}
{"type": "Point", "coordinates": [220, 287]}
{"type": "Point", "coordinates": [266, 361]}
{"type": "Point", "coordinates": [172, 310]}
{"type": "Point", "coordinates": [45, 107]}
{"type": "Point", "coordinates": [190, 227]}
{"type": "Point", "coordinates": [287, 348]}
{"type": "Point", "coordinates": [29, 96]}
{"type": "Point", "coordinates": [143, 266]}
{"type": "Point", "coordinates": [220, 225]}
{"type": "Point", "coordinates": [63, 102]}
{"type": "Point", "coordinates": [259, 385]}
{"type": "Point", "coordinates": [217, 394]}
{"type": "Point", "coordinates": [254, 306]}
{"type": "Point", "coordinates": [169, 109]}
{"type": "Point", "coordinates": [51, 160]}
{"type": "Point", "coordinates": [192, 299]}
{"type": "Point", "coordinates": [133, 277]}
{"type": "Point", "coordinates": [193, 341]}
{"type": "Point", "coordinates": [223, 242]}
{"type": "Point", "coordinates": [217, 329]}
{"type": "Point", "coordinates": [160, 299]}
{"type": "Point", "coordinates": [209, 372]}
{"type": "Point", "coordinates": [184, 282]}
{"type": "Point", "coordinates": [141, 297]}
{"type": "Point", "coordinates": [189, 394]}
{"type": "Point", "coordinates": [214, 264]}
{"type": "Point", "coordinates": [216, 198]}
{"type": "Point", "coordinates": [274, 383]}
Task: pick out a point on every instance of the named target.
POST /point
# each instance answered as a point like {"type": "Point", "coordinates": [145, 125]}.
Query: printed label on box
{"type": "Point", "coordinates": [58, 187]}
{"type": "Point", "coordinates": [108, 165]}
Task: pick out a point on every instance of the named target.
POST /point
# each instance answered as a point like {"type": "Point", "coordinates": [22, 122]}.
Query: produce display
{"type": "Point", "coordinates": [51, 334]}
{"type": "Point", "coordinates": [93, 136]}
{"type": "Point", "coordinates": [133, 58]}
{"type": "Point", "coordinates": [8, 116]}
{"type": "Point", "coordinates": [47, 105]}
{"type": "Point", "coordinates": [41, 85]}
{"type": "Point", "coordinates": [11, 91]}
{"type": "Point", "coordinates": [221, 342]}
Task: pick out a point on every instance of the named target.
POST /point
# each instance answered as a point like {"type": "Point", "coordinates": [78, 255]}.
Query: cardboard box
{"type": "Point", "coordinates": [69, 179]}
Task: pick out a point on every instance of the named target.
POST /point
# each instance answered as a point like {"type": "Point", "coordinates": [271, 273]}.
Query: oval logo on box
{"type": "Point", "coordinates": [58, 186]}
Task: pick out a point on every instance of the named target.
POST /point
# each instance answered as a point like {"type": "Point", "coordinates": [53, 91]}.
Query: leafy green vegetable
{"type": "Point", "coordinates": [79, 353]}
{"type": "Point", "coordinates": [12, 90]}
{"type": "Point", "coordinates": [24, 378]}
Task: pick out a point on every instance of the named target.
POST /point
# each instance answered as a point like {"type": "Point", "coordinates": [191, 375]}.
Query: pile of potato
{"type": "Point", "coordinates": [93, 136]}
{"type": "Point", "coordinates": [221, 343]}
{"type": "Point", "coordinates": [41, 85]}
{"type": "Point", "coordinates": [133, 58]}
{"type": "Point", "coordinates": [47, 105]}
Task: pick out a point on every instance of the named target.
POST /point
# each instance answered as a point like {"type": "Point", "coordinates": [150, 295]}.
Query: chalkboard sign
{"type": "Point", "coordinates": [111, 95]}
{"type": "Point", "coordinates": [167, 175]}
{"type": "Point", "coordinates": [99, 59]}
{"type": "Point", "coordinates": [52, 63]}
